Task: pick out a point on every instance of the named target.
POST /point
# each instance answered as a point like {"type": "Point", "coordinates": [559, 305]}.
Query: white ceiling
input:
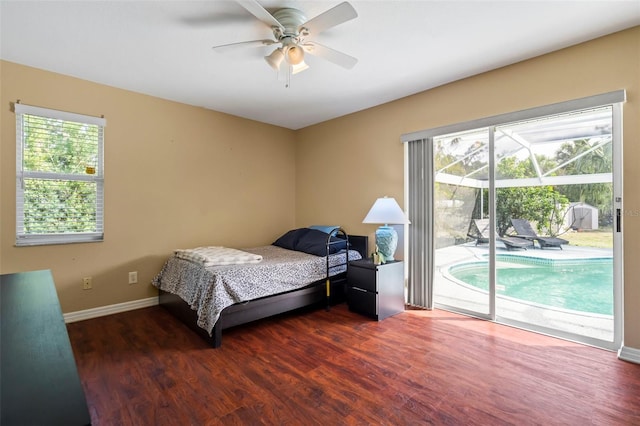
{"type": "Point", "coordinates": [163, 48]}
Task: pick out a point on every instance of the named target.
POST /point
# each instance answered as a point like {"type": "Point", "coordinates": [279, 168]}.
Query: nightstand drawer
{"type": "Point", "coordinates": [363, 302]}
{"type": "Point", "coordinates": [363, 278]}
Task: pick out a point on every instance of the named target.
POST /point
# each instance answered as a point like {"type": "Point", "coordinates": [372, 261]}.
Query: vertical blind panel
{"type": "Point", "coordinates": [415, 255]}
{"type": "Point", "coordinates": [420, 285]}
{"type": "Point", "coordinates": [429, 207]}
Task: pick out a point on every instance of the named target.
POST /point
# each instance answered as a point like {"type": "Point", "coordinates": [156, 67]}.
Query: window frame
{"type": "Point", "coordinates": [31, 239]}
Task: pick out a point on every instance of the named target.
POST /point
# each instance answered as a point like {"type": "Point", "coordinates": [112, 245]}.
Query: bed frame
{"type": "Point", "coordinates": [313, 295]}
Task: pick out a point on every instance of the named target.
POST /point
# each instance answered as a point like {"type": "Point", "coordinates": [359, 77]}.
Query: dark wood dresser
{"type": "Point", "coordinates": [39, 382]}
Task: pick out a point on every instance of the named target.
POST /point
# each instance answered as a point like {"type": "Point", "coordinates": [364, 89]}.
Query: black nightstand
{"type": "Point", "coordinates": [375, 290]}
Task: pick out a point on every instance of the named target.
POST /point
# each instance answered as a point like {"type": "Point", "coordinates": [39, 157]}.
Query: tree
{"type": "Point", "coordinates": [540, 204]}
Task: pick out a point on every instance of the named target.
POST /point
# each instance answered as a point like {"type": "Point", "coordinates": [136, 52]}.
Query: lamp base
{"type": "Point", "coordinates": [387, 241]}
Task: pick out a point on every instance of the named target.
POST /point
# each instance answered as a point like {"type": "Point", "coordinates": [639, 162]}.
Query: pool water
{"type": "Point", "coordinates": [581, 285]}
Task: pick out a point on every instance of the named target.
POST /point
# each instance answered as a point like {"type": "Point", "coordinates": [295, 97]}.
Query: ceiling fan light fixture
{"type": "Point", "coordinates": [295, 69]}
{"type": "Point", "coordinates": [295, 54]}
{"type": "Point", "coordinates": [275, 58]}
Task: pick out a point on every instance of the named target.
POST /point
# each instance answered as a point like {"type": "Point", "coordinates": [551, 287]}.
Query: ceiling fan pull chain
{"type": "Point", "coordinates": [288, 81]}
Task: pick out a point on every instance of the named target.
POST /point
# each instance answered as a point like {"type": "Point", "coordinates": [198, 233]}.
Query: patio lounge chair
{"type": "Point", "coordinates": [524, 230]}
{"type": "Point", "coordinates": [514, 242]}
{"type": "Point", "coordinates": [479, 229]}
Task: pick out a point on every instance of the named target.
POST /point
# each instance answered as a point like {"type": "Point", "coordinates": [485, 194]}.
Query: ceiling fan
{"type": "Point", "coordinates": [291, 31]}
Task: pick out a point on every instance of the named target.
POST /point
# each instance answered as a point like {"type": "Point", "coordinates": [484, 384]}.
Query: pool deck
{"type": "Point", "coordinates": [452, 292]}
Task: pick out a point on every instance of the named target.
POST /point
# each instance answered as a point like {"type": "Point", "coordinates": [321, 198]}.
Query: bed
{"type": "Point", "coordinates": [305, 267]}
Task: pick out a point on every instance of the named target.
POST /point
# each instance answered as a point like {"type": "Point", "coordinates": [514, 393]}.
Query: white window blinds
{"type": "Point", "coordinates": [60, 176]}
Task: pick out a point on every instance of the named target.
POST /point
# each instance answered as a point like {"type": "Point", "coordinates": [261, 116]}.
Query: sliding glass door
{"type": "Point", "coordinates": [461, 163]}
{"type": "Point", "coordinates": [525, 228]}
{"type": "Point", "coordinates": [554, 180]}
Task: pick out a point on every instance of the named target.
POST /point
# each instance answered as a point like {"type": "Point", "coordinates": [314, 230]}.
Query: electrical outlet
{"type": "Point", "coordinates": [133, 277]}
{"type": "Point", "coordinates": [86, 283]}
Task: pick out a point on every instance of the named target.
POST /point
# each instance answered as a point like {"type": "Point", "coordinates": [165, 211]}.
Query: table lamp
{"type": "Point", "coordinates": [386, 211]}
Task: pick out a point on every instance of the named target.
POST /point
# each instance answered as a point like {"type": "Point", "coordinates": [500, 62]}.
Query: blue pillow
{"type": "Point", "coordinates": [338, 243]}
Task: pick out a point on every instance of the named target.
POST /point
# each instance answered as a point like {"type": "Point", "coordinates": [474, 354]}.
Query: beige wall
{"type": "Point", "coordinates": [175, 176]}
{"type": "Point", "coordinates": [343, 165]}
{"type": "Point", "coordinates": [161, 158]}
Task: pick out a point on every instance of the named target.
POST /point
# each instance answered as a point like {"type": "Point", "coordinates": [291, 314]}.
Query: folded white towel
{"type": "Point", "coordinates": [216, 255]}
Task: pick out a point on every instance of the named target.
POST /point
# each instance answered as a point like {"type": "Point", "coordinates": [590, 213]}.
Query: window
{"type": "Point", "coordinates": [60, 177]}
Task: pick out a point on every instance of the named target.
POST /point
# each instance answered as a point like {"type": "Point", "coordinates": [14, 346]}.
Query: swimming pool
{"type": "Point", "coordinates": [581, 285]}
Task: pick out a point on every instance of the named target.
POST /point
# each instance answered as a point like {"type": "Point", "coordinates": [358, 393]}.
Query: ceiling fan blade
{"type": "Point", "coordinates": [335, 16]}
{"type": "Point", "coordinates": [260, 12]}
{"type": "Point", "coordinates": [324, 52]}
{"type": "Point", "coordinates": [250, 43]}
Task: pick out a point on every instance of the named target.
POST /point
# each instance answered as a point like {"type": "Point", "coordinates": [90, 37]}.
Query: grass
{"type": "Point", "coordinates": [601, 238]}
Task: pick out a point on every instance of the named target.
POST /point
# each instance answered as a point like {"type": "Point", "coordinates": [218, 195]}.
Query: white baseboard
{"type": "Point", "coordinates": [629, 354]}
{"type": "Point", "coordinates": [109, 310]}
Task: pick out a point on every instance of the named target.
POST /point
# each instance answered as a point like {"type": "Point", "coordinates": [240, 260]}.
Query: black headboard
{"type": "Point", "coordinates": [360, 243]}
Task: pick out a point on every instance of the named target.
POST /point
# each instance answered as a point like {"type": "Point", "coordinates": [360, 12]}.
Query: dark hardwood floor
{"type": "Point", "coordinates": [327, 368]}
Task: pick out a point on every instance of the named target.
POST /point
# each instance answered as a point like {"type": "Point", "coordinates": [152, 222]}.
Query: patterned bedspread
{"type": "Point", "coordinates": [210, 289]}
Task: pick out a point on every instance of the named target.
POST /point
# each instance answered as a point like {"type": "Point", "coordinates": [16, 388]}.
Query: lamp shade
{"type": "Point", "coordinates": [386, 210]}
{"type": "Point", "coordinates": [275, 58]}
{"type": "Point", "coordinates": [294, 54]}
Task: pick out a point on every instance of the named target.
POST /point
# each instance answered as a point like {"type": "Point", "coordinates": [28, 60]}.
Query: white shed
{"type": "Point", "coordinates": [581, 216]}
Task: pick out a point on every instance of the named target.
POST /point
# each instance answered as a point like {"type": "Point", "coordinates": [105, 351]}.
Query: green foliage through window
{"type": "Point", "coordinates": [543, 167]}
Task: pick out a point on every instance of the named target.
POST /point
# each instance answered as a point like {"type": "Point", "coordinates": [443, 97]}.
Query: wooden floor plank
{"type": "Point", "coordinates": [420, 367]}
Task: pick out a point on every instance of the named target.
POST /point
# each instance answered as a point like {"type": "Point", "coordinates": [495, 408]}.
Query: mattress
{"type": "Point", "coordinates": [210, 289]}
